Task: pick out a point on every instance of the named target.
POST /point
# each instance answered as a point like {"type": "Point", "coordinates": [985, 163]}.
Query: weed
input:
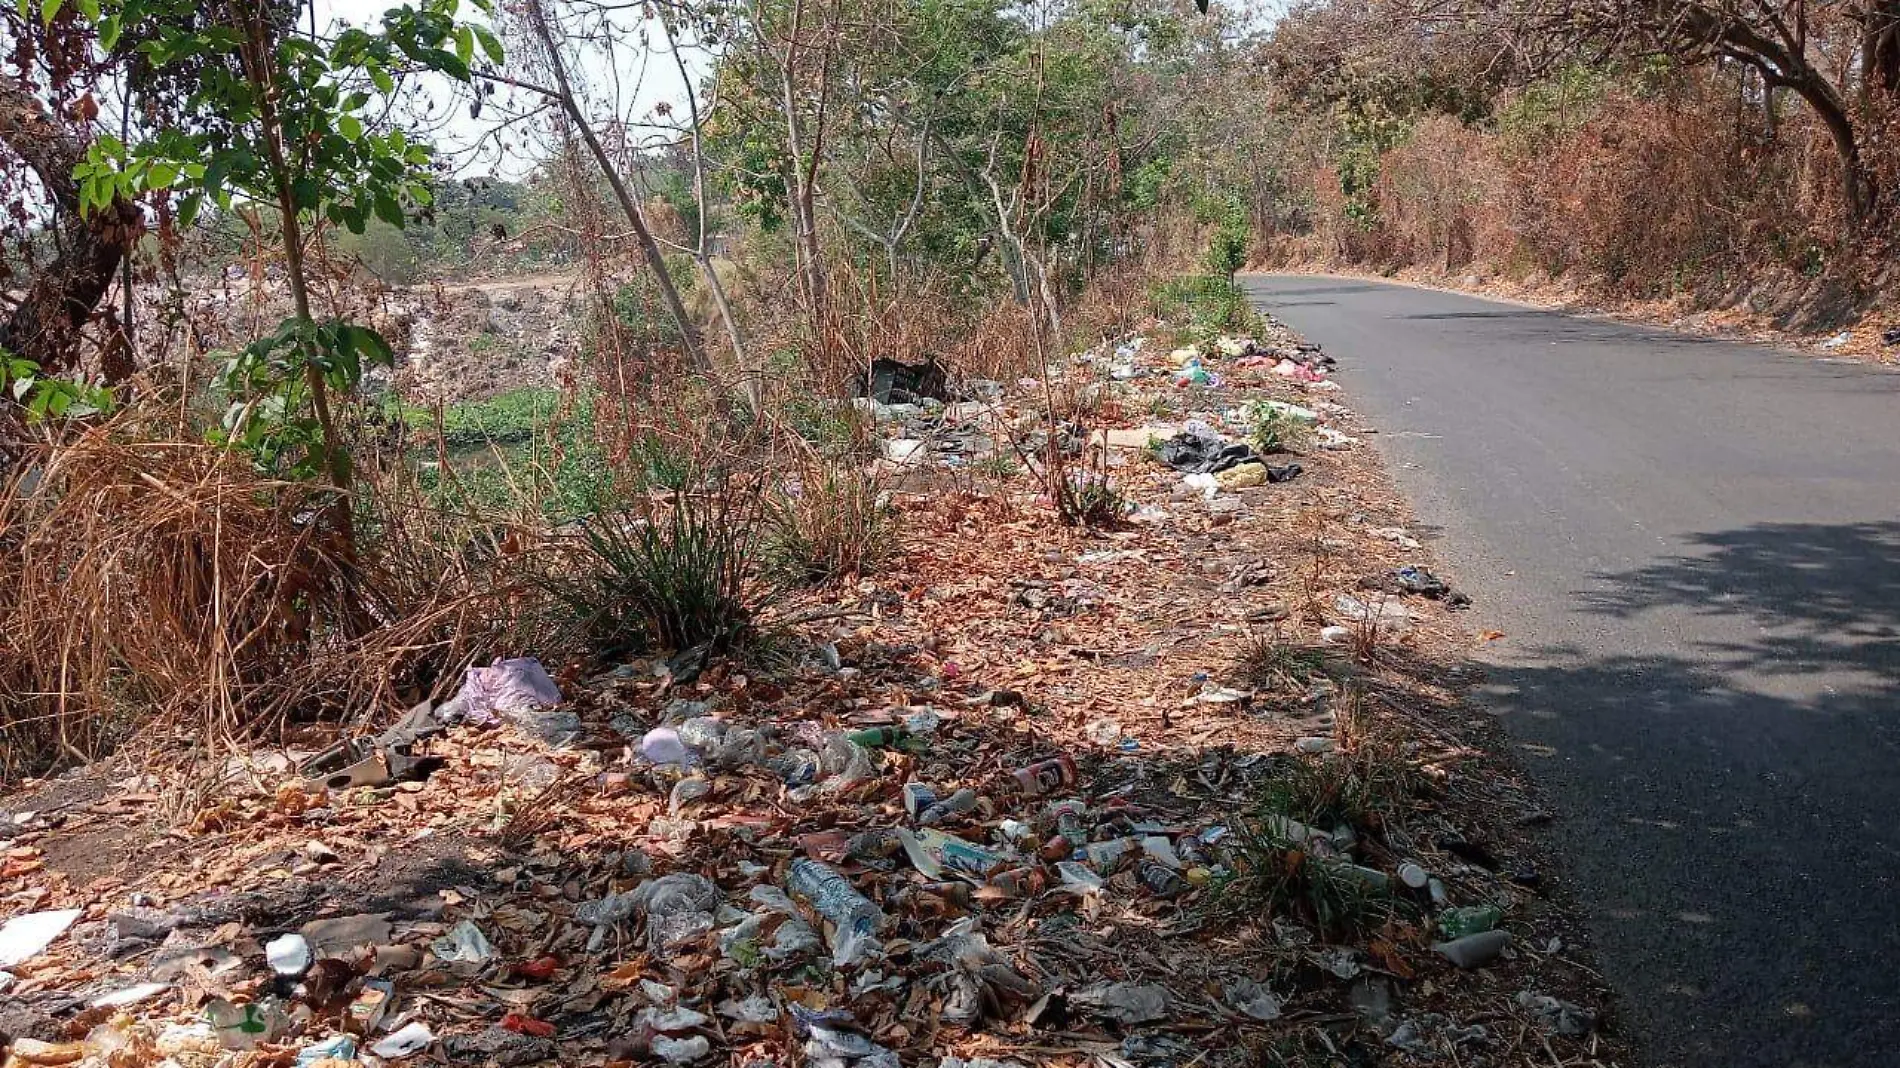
{"type": "Point", "coordinates": [673, 579]}
{"type": "Point", "coordinates": [1089, 499]}
{"type": "Point", "coordinates": [1368, 773]}
{"type": "Point", "coordinates": [1211, 304]}
{"type": "Point", "coordinates": [661, 464]}
{"type": "Point", "coordinates": [1274, 428]}
{"type": "Point", "coordinates": [1265, 663]}
{"type": "Point", "coordinates": [834, 524]}
{"type": "Point", "coordinates": [1274, 875]}
{"type": "Point", "coordinates": [999, 466]}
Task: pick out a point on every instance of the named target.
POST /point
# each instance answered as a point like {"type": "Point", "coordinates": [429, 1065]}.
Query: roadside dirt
{"type": "Point", "coordinates": [1002, 641]}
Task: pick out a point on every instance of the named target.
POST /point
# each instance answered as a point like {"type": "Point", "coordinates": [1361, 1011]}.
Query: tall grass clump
{"type": "Point", "coordinates": [668, 575]}
{"type": "Point", "coordinates": [833, 523]}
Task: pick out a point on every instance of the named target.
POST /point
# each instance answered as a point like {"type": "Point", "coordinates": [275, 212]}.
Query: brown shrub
{"type": "Point", "coordinates": [162, 585]}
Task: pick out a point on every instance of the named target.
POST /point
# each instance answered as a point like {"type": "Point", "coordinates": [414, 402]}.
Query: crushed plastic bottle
{"type": "Point", "coordinates": [935, 853]}
{"type": "Point", "coordinates": [957, 804]}
{"type": "Point", "coordinates": [853, 918]}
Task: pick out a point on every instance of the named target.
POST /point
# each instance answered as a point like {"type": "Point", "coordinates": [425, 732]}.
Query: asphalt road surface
{"type": "Point", "coordinates": [1693, 548]}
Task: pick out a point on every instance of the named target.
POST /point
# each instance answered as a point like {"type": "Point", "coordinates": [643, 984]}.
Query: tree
{"type": "Point", "coordinates": [87, 245]}
{"type": "Point", "coordinates": [270, 114]}
{"type": "Point", "coordinates": [1796, 45]}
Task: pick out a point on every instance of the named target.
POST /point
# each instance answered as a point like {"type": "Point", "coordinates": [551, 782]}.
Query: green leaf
{"type": "Point", "coordinates": [350, 127]}
{"type": "Point", "coordinates": [161, 175]}
{"type": "Point", "coordinates": [88, 8]}
{"type": "Point", "coordinates": [49, 9]}
{"type": "Point", "coordinates": [388, 210]}
{"type": "Point", "coordinates": [464, 42]}
{"type": "Point", "coordinates": [490, 44]}
{"type": "Point", "coordinates": [383, 81]}
{"type": "Point", "coordinates": [109, 30]}
{"type": "Point", "coordinates": [368, 343]}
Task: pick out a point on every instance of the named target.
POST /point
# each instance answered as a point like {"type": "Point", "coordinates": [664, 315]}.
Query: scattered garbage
{"type": "Point", "coordinates": [335, 1048]}
{"type": "Point", "coordinates": [1557, 1017]}
{"type": "Point", "coordinates": [1197, 449]}
{"type": "Point", "coordinates": [895, 382]}
{"type": "Point", "coordinates": [851, 917]}
{"type": "Point", "coordinates": [686, 861]}
{"type": "Point", "coordinates": [1251, 998]}
{"type": "Point", "coordinates": [521, 692]}
{"type": "Point", "coordinates": [24, 937]}
{"type": "Point", "coordinates": [1475, 950]}
{"type": "Point", "coordinates": [464, 943]}
{"type": "Point", "coordinates": [1890, 336]}
{"type": "Point", "coordinates": [1467, 920]}
{"type": "Point", "coordinates": [1125, 1003]}
{"type": "Point", "coordinates": [289, 955]}
{"type": "Point", "coordinates": [1389, 616]}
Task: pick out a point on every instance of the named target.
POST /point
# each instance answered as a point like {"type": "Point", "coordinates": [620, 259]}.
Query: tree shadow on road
{"type": "Point", "coordinates": [1725, 804]}
{"type": "Point", "coordinates": [1824, 597]}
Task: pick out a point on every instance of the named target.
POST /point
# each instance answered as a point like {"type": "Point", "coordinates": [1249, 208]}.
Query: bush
{"type": "Point", "coordinates": [671, 580]}
{"type": "Point", "coordinates": [833, 525]}
{"type": "Point", "coordinates": [1210, 304]}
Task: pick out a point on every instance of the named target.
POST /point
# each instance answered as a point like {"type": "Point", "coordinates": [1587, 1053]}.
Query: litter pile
{"type": "Point", "coordinates": [1013, 804]}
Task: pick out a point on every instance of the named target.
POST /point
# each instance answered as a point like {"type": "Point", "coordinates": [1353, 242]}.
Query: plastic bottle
{"type": "Point", "coordinates": [1466, 920]}
{"type": "Point", "coordinates": [854, 919]}
{"type": "Point", "coordinates": [880, 737]}
{"type": "Point", "coordinates": [1065, 818]}
{"type": "Point", "coordinates": [956, 804]}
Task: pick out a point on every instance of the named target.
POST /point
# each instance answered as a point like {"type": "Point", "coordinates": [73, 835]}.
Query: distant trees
{"type": "Point", "coordinates": [1841, 58]}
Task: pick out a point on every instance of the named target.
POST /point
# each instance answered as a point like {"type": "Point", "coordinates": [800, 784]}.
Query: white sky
{"type": "Point", "coordinates": [627, 85]}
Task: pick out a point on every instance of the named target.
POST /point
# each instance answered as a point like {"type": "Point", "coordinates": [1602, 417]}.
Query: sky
{"type": "Point", "coordinates": [629, 85]}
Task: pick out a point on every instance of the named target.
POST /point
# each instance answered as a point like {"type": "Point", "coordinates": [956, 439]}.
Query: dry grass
{"type": "Point", "coordinates": [161, 585]}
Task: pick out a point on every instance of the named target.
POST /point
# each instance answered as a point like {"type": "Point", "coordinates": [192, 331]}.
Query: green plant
{"type": "Point", "coordinates": [658, 463]}
{"type": "Point", "coordinates": [833, 524]}
{"type": "Point", "coordinates": [1272, 874]}
{"type": "Point", "coordinates": [672, 578]}
{"type": "Point", "coordinates": [267, 112]}
{"type": "Point", "coordinates": [1089, 499]}
{"type": "Point", "coordinates": [1227, 246]}
{"type": "Point", "coordinates": [46, 397]}
{"type": "Point", "coordinates": [1275, 428]}
{"type": "Point", "coordinates": [275, 388]}
{"type": "Point", "coordinates": [1208, 304]}
{"type": "Point", "coordinates": [1368, 773]}
{"type": "Point", "coordinates": [997, 465]}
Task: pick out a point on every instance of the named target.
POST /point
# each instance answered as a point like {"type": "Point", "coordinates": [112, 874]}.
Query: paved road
{"type": "Point", "coordinates": [1694, 550]}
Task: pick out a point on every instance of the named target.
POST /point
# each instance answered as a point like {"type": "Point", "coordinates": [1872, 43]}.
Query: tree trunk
{"type": "Point", "coordinates": [1857, 182]}
{"type": "Point", "coordinates": [60, 298]}
{"type": "Point", "coordinates": [649, 248]}
{"type": "Point", "coordinates": [1880, 48]}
